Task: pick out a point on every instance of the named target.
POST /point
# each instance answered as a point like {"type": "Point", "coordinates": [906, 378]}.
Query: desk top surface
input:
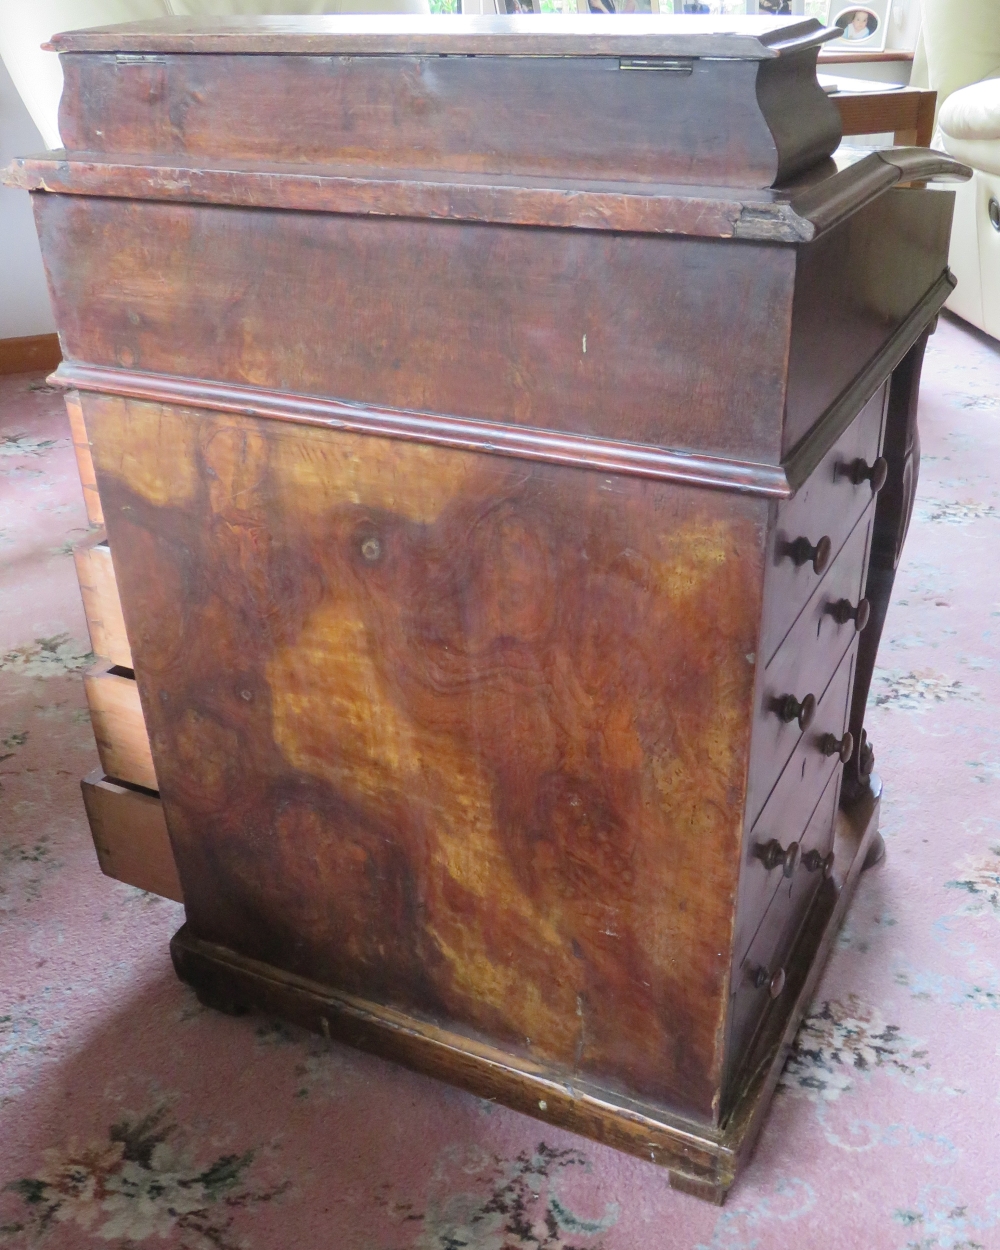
{"type": "Point", "coordinates": [736, 38]}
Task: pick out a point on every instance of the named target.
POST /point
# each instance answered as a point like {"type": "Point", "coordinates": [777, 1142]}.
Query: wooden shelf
{"type": "Point", "coordinates": [848, 58]}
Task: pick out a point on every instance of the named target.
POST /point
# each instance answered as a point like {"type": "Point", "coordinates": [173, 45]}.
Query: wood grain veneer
{"type": "Point", "coordinates": [447, 467]}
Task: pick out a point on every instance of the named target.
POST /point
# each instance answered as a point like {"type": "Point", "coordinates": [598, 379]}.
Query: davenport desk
{"type": "Point", "coordinates": [505, 435]}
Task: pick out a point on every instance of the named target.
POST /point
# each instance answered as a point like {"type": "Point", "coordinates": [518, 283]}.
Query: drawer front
{"type": "Point", "coordinates": [790, 807]}
{"type": "Point", "coordinates": [805, 663]}
{"type": "Point", "coordinates": [826, 507]}
{"type": "Point", "coordinates": [119, 725]}
{"type": "Point", "coordinates": [84, 459]}
{"type": "Point", "coordinates": [130, 836]}
{"type": "Point", "coordinates": [759, 978]}
{"type": "Point", "coordinates": [101, 602]}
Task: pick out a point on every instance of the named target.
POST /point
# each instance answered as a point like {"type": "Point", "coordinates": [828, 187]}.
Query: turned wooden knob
{"type": "Point", "coordinates": [812, 861]}
{"type": "Point", "coordinates": [861, 471]}
{"type": "Point", "coordinates": [773, 855]}
{"type": "Point", "coordinates": [801, 551]}
{"type": "Point", "coordinates": [842, 747]}
{"type": "Point", "coordinates": [789, 708]}
{"type": "Point", "coordinates": [843, 611]}
{"type": "Point", "coordinates": [775, 981]}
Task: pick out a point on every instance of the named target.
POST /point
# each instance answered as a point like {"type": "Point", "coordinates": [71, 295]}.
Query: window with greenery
{"type": "Point", "coordinates": [813, 8]}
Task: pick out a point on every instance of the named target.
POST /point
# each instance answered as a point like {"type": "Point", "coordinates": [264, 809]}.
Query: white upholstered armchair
{"type": "Point", "coordinates": [26, 24]}
{"type": "Point", "coordinates": [960, 58]}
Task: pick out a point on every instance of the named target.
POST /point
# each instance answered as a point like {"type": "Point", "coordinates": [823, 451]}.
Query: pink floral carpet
{"type": "Point", "coordinates": [131, 1116]}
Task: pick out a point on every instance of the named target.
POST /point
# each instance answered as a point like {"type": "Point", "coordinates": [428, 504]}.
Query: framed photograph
{"type": "Point", "coordinates": [519, 6]}
{"type": "Point", "coordinates": [863, 26]}
{"type": "Point", "coordinates": [618, 6]}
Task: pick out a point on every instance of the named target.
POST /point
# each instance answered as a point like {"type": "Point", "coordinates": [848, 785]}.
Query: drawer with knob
{"type": "Point", "coordinates": [773, 848]}
{"type": "Point", "coordinates": [759, 977]}
{"type": "Point", "coordinates": [811, 528]}
{"type": "Point", "coordinates": [794, 681]}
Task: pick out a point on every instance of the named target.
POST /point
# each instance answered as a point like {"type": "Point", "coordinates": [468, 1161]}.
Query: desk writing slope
{"type": "Point", "coordinates": [494, 421]}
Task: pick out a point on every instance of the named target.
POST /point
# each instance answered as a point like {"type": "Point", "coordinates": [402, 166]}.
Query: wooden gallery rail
{"type": "Point", "coordinates": [504, 518]}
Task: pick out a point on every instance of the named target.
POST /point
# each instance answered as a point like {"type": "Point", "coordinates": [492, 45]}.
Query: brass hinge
{"type": "Point", "coordinates": [671, 65]}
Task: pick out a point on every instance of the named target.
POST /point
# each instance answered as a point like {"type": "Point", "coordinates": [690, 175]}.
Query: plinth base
{"type": "Point", "coordinates": [702, 1160]}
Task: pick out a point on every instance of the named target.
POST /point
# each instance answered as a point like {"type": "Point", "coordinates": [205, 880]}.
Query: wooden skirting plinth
{"type": "Point", "coordinates": [702, 1160]}
{"type": "Point", "coordinates": [29, 354]}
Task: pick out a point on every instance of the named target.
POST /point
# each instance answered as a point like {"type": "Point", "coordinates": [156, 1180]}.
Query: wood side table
{"type": "Point", "coordinates": [908, 112]}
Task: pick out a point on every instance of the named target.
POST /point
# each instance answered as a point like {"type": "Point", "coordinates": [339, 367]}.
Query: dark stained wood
{"type": "Point", "coordinates": [703, 1161]}
{"type": "Point", "coordinates": [788, 811]}
{"type": "Point", "coordinates": [510, 199]}
{"type": "Point", "coordinates": [804, 665]}
{"type": "Point", "coordinates": [655, 124]}
{"type": "Point", "coordinates": [814, 446]}
{"type": "Point", "coordinates": [855, 832]}
{"type": "Point", "coordinates": [577, 331]}
{"type": "Point", "coordinates": [796, 213]}
{"type": "Point", "coordinates": [444, 483]}
{"type": "Point", "coordinates": [697, 1156]}
{"type": "Point", "coordinates": [446, 338]}
{"type": "Point", "coordinates": [732, 38]}
{"type": "Point", "coordinates": [892, 521]}
{"type": "Point", "coordinates": [768, 955]}
{"type": "Point", "coordinates": [827, 505]}
{"type": "Point", "coordinates": [608, 455]}
{"type": "Point", "coordinates": [440, 722]}
{"type": "Point", "coordinates": [858, 293]}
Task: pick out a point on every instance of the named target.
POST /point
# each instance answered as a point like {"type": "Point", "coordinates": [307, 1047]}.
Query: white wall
{"type": "Point", "coordinates": [904, 24]}
{"type": "Point", "coordinates": [24, 297]}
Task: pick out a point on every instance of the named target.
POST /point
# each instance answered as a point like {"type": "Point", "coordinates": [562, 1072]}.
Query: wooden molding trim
{"type": "Point", "coordinates": [29, 354]}
{"type": "Point", "coordinates": [697, 1150]}
{"type": "Point", "coordinates": [793, 215]}
{"type": "Point", "coordinates": [525, 442]}
{"type": "Point", "coordinates": [810, 450]}
{"type": "Point", "coordinates": [522, 442]}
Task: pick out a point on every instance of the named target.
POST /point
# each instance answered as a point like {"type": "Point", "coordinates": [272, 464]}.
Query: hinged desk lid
{"type": "Point", "coordinates": [546, 34]}
{"type": "Point", "coordinates": [724, 102]}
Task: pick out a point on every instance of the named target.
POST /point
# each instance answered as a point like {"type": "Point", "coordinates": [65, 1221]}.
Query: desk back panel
{"type": "Point", "coordinates": [572, 330]}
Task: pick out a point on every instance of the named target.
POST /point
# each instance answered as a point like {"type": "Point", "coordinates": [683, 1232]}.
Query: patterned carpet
{"type": "Point", "coordinates": [131, 1116]}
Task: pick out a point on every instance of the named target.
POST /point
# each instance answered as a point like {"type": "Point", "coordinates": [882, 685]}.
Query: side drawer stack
{"type": "Point", "coordinates": [819, 544]}
{"type": "Point", "coordinates": [121, 797]}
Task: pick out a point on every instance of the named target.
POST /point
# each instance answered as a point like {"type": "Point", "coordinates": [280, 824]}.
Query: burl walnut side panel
{"type": "Point", "coordinates": [460, 734]}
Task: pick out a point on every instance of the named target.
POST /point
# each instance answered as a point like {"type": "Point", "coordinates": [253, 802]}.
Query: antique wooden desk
{"type": "Point", "coordinates": [496, 422]}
